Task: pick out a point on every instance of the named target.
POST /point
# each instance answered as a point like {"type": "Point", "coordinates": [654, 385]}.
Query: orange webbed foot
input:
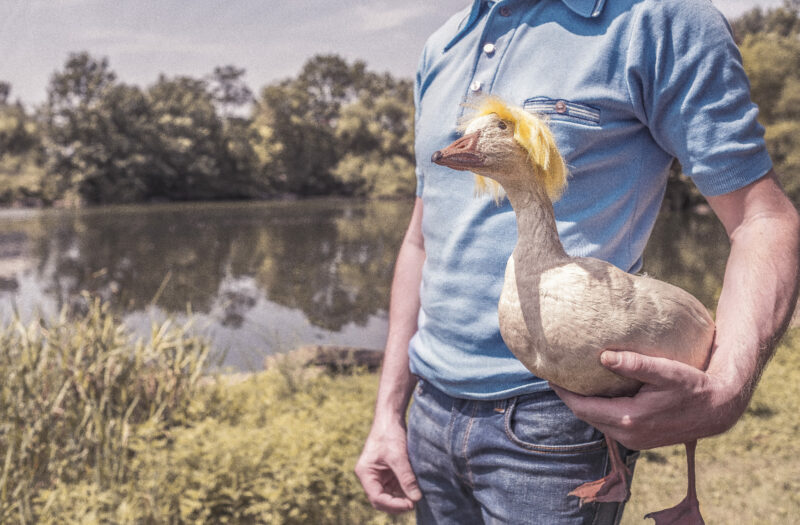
{"type": "Point", "coordinates": [613, 487]}
{"type": "Point", "coordinates": [687, 512]}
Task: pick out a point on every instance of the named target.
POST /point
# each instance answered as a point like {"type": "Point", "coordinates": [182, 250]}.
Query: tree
{"type": "Point", "coordinates": [188, 146]}
{"type": "Point", "coordinates": [228, 88]}
{"type": "Point", "coordinates": [332, 119]}
{"type": "Point", "coordinates": [21, 158]}
{"type": "Point", "coordinates": [5, 91]}
{"type": "Point", "coordinates": [377, 133]}
{"type": "Point", "coordinates": [71, 118]}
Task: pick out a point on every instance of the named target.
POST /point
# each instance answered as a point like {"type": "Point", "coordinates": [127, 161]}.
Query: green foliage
{"type": "Point", "coordinates": [179, 139]}
{"type": "Point", "coordinates": [21, 155]}
{"type": "Point", "coordinates": [333, 118]}
{"type": "Point", "coordinates": [374, 175]}
{"type": "Point", "coordinates": [781, 21]}
{"type": "Point", "coordinates": [770, 47]}
{"type": "Point", "coordinates": [228, 88]}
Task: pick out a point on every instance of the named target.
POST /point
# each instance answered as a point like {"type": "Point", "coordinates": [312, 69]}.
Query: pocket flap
{"type": "Point", "coordinates": [562, 109]}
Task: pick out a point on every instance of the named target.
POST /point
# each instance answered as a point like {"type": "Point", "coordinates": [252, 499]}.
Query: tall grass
{"type": "Point", "coordinates": [73, 391]}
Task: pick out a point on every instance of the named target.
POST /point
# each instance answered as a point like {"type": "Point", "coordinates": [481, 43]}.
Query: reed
{"type": "Point", "coordinates": [73, 391]}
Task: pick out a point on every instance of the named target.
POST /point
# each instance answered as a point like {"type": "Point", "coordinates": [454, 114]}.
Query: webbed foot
{"type": "Point", "coordinates": [613, 487]}
{"type": "Point", "coordinates": [687, 512]}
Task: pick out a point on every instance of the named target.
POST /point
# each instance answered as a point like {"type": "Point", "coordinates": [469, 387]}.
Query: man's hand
{"type": "Point", "coordinates": [677, 403]}
{"type": "Point", "coordinates": [385, 473]}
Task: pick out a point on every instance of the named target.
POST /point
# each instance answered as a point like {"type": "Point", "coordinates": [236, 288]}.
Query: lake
{"type": "Point", "coordinates": [261, 278]}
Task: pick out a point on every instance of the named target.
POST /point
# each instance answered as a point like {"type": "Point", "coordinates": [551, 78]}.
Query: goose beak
{"type": "Point", "coordinates": [462, 154]}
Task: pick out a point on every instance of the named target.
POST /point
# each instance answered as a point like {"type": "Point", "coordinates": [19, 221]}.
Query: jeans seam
{"type": "Point", "coordinates": [470, 478]}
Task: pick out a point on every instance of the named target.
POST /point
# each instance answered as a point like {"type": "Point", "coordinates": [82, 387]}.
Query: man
{"type": "Point", "coordinates": [628, 85]}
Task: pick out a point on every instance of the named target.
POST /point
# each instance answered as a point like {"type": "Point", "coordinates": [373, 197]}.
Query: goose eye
{"type": "Point", "coordinates": [502, 125]}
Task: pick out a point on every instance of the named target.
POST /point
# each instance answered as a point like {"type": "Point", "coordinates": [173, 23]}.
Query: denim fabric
{"type": "Point", "coordinates": [627, 85]}
{"type": "Point", "coordinates": [504, 462]}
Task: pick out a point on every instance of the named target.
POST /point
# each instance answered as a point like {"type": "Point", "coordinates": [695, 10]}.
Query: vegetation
{"type": "Point", "coordinates": [335, 129]}
{"type": "Point", "coordinates": [76, 397]}
{"type": "Point", "coordinates": [97, 428]}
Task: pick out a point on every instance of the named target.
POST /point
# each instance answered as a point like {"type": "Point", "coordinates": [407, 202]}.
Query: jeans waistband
{"type": "Point", "coordinates": [430, 391]}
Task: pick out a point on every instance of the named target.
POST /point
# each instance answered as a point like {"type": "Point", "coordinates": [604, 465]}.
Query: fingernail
{"type": "Point", "coordinates": [609, 358]}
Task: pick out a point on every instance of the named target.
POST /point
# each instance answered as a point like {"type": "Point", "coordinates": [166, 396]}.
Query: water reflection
{"type": "Point", "coordinates": [263, 277]}
{"type": "Point", "coordinates": [329, 260]}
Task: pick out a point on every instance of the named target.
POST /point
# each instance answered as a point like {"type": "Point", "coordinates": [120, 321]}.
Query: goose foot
{"type": "Point", "coordinates": [613, 487]}
{"type": "Point", "coordinates": [687, 512]}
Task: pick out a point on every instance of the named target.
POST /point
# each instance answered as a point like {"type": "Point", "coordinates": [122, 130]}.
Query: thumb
{"type": "Point", "coordinates": [657, 371]}
{"type": "Point", "coordinates": [406, 478]}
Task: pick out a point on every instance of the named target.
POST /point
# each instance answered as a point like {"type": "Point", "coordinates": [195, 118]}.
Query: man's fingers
{"type": "Point", "coordinates": [656, 371]}
{"type": "Point", "coordinates": [379, 496]}
{"type": "Point", "coordinates": [392, 504]}
{"type": "Point", "coordinates": [405, 477]}
{"type": "Point", "coordinates": [392, 486]}
{"type": "Point", "coordinates": [597, 411]}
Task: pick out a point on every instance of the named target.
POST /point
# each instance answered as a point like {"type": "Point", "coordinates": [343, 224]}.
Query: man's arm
{"type": "Point", "coordinates": [679, 403]}
{"type": "Point", "coordinates": [383, 468]}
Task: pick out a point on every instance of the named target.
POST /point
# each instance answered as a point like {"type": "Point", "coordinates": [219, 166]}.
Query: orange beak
{"type": "Point", "coordinates": [462, 154]}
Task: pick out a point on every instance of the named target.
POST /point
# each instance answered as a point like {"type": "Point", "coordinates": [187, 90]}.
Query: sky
{"type": "Point", "coordinates": [271, 39]}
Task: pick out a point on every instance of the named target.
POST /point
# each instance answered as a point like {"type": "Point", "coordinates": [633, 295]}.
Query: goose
{"type": "Point", "coordinates": [558, 313]}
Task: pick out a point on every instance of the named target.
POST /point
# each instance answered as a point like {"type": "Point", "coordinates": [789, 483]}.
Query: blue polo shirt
{"type": "Point", "coordinates": [627, 85]}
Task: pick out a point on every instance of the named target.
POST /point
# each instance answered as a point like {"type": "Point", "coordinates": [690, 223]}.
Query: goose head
{"type": "Point", "coordinates": [512, 148]}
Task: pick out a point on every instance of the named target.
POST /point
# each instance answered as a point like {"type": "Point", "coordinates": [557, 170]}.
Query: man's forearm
{"type": "Point", "coordinates": [397, 383]}
{"type": "Point", "coordinates": [758, 296]}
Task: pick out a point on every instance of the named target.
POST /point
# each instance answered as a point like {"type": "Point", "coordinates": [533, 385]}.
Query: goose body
{"type": "Point", "coordinates": [557, 321]}
{"type": "Point", "coordinates": [558, 313]}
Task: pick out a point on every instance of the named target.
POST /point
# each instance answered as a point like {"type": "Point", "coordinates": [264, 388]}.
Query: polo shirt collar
{"type": "Point", "coordinates": [584, 8]}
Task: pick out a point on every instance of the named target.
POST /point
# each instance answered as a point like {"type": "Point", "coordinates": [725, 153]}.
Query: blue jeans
{"type": "Point", "coordinates": [508, 461]}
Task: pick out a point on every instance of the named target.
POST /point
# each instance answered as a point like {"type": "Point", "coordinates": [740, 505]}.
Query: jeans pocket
{"type": "Point", "coordinates": [542, 423]}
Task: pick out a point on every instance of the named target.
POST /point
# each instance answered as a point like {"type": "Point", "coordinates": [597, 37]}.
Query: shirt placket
{"type": "Point", "coordinates": [496, 34]}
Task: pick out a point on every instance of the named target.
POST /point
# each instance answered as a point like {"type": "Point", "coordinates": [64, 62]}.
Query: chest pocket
{"type": "Point", "coordinates": [559, 109]}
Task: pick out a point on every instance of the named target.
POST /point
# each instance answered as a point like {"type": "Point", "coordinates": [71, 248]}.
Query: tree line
{"type": "Point", "coordinates": [336, 128]}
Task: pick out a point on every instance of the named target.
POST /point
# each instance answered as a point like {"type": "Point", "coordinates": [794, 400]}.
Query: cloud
{"type": "Point", "coordinates": [382, 17]}
{"type": "Point", "coordinates": [129, 41]}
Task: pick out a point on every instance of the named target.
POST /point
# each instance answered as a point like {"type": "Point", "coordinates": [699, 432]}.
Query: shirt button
{"type": "Point", "coordinates": [489, 48]}
{"type": "Point", "coordinates": [505, 11]}
{"type": "Point", "coordinates": [561, 107]}
{"type": "Point", "coordinates": [475, 86]}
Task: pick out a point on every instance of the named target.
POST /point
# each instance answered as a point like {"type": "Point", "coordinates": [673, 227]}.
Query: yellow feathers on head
{"type": "Point", "coordinates": [532, 133]}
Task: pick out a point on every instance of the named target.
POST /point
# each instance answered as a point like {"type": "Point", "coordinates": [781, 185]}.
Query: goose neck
{"type": "Point", "coordinates": [538, 243]}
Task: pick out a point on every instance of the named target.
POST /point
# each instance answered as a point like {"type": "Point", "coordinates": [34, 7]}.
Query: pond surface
{"type": "Point", "coordinates": [261, 278]}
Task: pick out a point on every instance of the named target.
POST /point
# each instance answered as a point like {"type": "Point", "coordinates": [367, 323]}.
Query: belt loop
{"type": "Point", "coordinates": [500, 405]}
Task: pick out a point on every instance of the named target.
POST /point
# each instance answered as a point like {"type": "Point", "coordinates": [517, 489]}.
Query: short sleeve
{"type": "Point", "coordinates": [686, 80]}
